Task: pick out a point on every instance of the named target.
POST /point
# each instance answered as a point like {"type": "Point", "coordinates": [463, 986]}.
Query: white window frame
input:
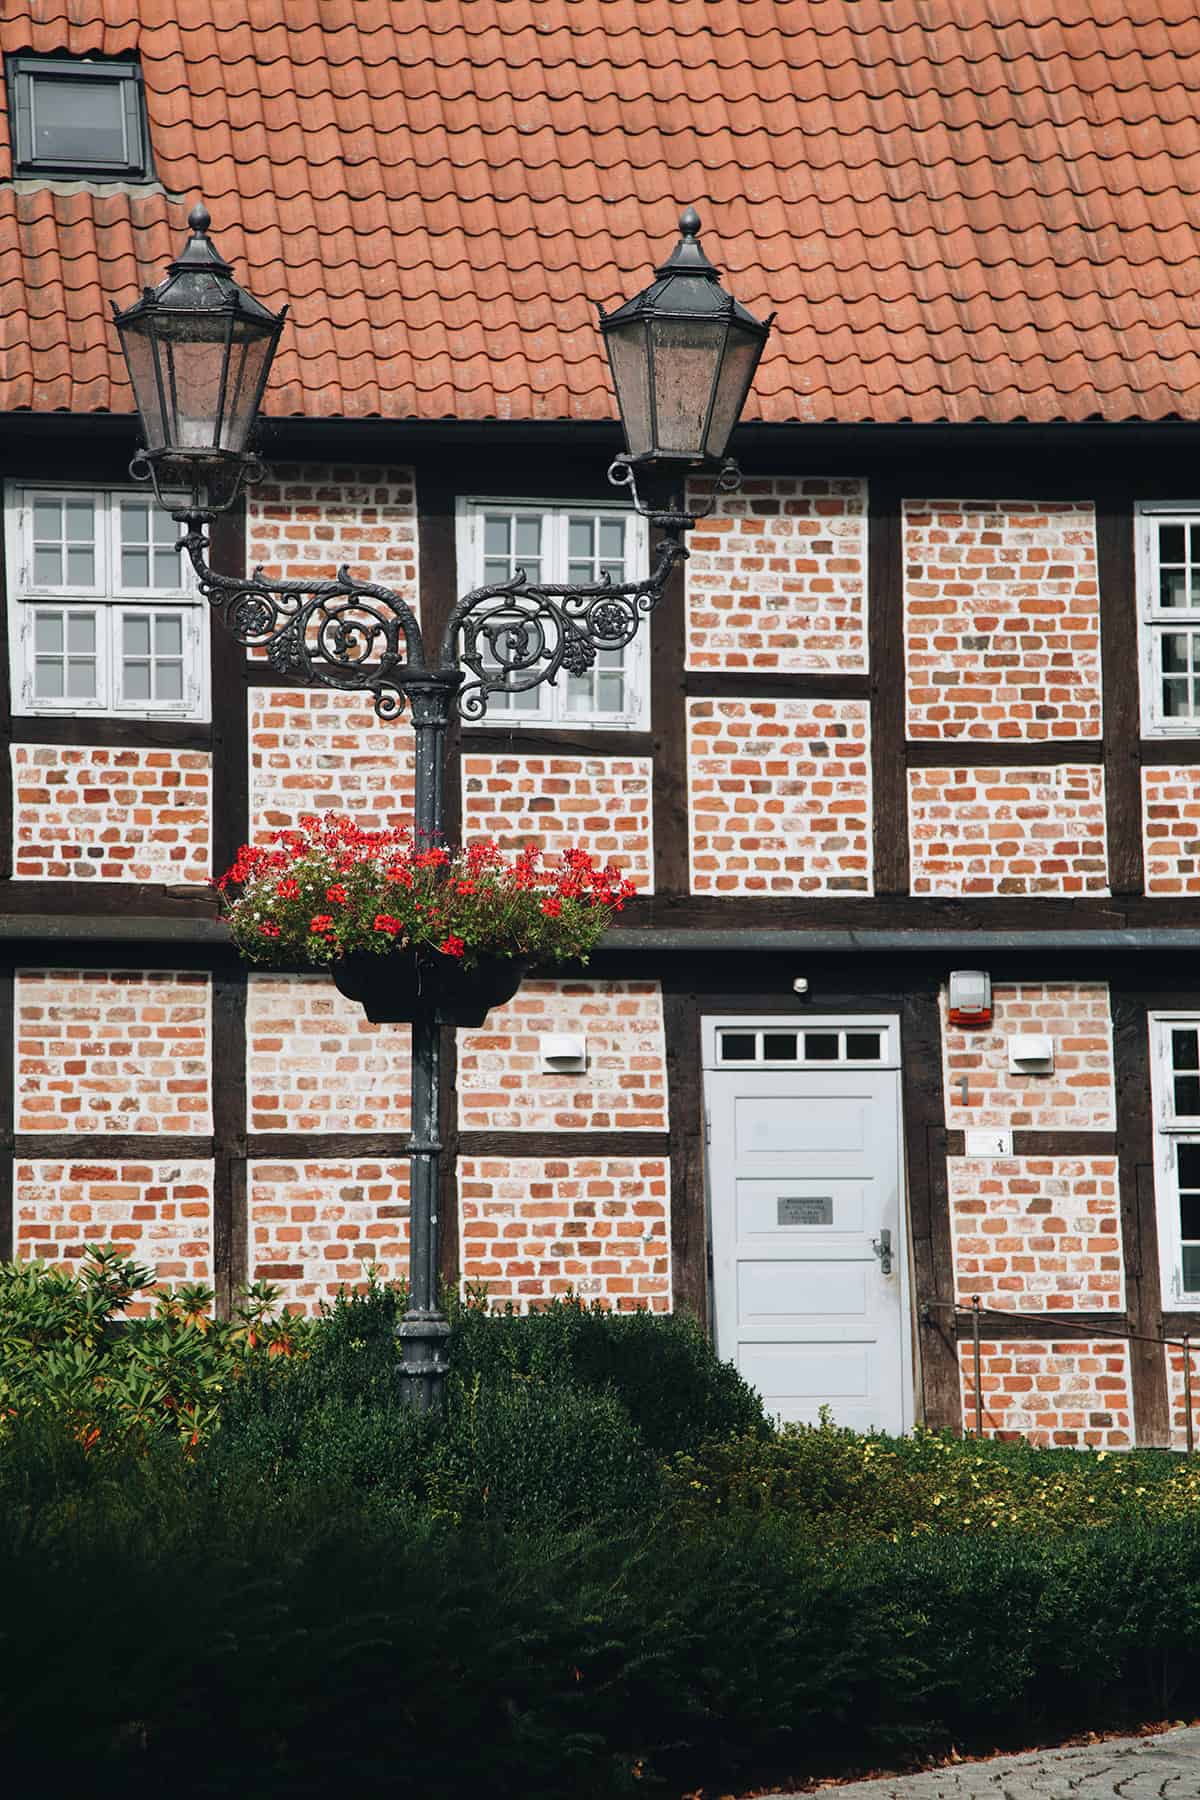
{"type": "Point", "coordinates": [886, 1024]}
{"type": "Point", "coordinates": [1155, 621]}
{"type": "Point", "coordinates": [551, 713]}
{"type": "Point", "coordinates": [1169, 1130]}
{"type": "Point", "coordinates": [108, 602]}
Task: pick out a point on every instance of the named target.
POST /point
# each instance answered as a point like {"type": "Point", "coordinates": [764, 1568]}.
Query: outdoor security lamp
{"type": "Point", "coordinates": [199, 349]}
{"type": "Point", "coordinates": [683, 354]}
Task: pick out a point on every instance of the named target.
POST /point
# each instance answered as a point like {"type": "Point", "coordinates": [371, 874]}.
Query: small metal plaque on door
{"type": "Point", "coordinates": [805, 1209]}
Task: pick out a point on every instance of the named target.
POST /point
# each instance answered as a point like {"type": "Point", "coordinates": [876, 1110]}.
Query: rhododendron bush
{"type": "Point", "coordinates": [330, 888]}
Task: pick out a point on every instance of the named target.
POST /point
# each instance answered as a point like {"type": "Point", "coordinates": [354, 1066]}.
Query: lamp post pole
{"type": "Point", "coordinates": [199, 348]}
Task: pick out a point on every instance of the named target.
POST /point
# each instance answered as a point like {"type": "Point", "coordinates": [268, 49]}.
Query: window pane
{"type": "Point", "coordinates": [81, 567]}
{"type": "Point", "coordinates": [610, 693]}
{"type": "Point", "coordinates": [614, 570]}
{"type": "Point", "coordinates": [168, 569]}
{"type": "Point", "coordinates": [48, 633]}
{"type": "Point", "coordinates": [1172, 587]}
{"type": "Point", "coordinates": [820, 1046]}
{"type": "Point", "coordinates": [78, 121]}
{"type": "Point", "coordinates": [581, 571]}
{"type": "Point", "coordinates": [1175, 698]}
{"type": "Point", "coordinates": [779, 1046]}
{"type": "Point", "coordinates": [579, 694]}
{"type": "Point", "coordinates": [80, 522]}
{"type": "Point", "coordinates": [1187, 1162]}
{"type": "Point", "coordinates": [47, 567]}
{"type": "Point", "coordinates": [48, 679]}
{"type": "Point", "coordinates": [612, 540]}
{"type": "Point", "coordinates": [81, 633]}
{"type": "Point", "coordinates": [137, 681]}
{"type": "Point", "coordinates": [1191, 1268]}
{"type": "Point", "coordinates": [135, 522]}
{"type": "Point", "coordinates": [1187, 1096]}
{"type": "Point", "coordinates": [495, 535]}
{"type": "Point", "coordinates": [1172, 544]}
{"type": "Point", "coordinates": [1175, 660]}
{"type": "Point", "coordinates": [136, 634]}
{"type": "Point", "coordinates": [529, 537]}
{"type": "Point", "coordinates": [737, 1046]}
{"type": "Point", "coordinates": [170, 681]}
{"type": "Point", "coordinates": [1185, 1049]}
{"type": "Point", "coordinates": [81, 678]}
{"type": "Point", "coordinates": [47, 519]}
{"type": "Point", "coordinates": [166, 531]}
{"type": "Point", "coordinates": [862, 1046]}
{"type": "Point", "coordinates": [135, 568]}
{"type": "Point", "coordinates": [1189, 1216]}
{"type": "Point", "coordinates": [168, 634]}
{"type": "Point", "coordinates": [494, 573]}
{"type": "Point", "coordinates": [579, 539]}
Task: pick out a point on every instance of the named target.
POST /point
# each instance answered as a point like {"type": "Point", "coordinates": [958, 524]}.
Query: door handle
{"type": "Point", "coordinates": [882, 1246]}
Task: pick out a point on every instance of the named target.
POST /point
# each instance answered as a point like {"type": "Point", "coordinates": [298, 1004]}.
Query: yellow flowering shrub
{"type": "Point", "coordinates": [839, 1486]}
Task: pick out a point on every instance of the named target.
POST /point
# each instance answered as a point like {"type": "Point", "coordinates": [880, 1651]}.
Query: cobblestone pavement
{"type": "Point", "coordinates": [1166, 1767]}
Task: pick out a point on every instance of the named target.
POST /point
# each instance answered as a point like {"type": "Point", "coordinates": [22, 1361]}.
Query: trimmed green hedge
{"type": "Point", "coordinates": [161, 1632]}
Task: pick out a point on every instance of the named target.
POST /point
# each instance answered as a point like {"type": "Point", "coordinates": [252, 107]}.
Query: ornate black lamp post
{"type": "Point", "coordinates": [199, 350]}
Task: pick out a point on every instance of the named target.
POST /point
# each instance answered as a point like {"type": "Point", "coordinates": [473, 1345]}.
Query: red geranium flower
{"type": "Point", "coordinates": [552, 906]}
{"type": "Point", "coordinates": [452, 946]}
{"type": "Point", "coordinates": [337, 894]}
{"type": "Point", "coordinates": [288, 888]}
{"type": "Point", "coordinates": [320, 923]}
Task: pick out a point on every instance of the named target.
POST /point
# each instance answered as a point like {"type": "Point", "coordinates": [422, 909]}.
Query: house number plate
{"type": "Point", "coordinates": [805, 1209]}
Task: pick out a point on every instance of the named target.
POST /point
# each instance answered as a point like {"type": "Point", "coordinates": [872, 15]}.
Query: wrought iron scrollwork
{"type": "Point", "coordinates": [347, 634]}
{"type": "Point", "coordinates": [363, 638]}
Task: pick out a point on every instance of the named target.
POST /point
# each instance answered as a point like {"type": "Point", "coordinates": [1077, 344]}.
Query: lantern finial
{"type": "Point", "coordinates": [199, 219]}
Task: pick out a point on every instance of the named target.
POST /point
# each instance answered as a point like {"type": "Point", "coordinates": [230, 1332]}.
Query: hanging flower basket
{"type": "Point", "coordinates": [395, 988]}
{"type": "Point", "coordinates": [403, 927]}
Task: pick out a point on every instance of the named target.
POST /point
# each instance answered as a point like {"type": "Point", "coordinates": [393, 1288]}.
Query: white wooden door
{"type": "Point", "coordinates": [807, 1221]}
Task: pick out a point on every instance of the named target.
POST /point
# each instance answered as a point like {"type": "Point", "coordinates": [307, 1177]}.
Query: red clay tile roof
{"type": "Point", "coordinates": [960, 208]}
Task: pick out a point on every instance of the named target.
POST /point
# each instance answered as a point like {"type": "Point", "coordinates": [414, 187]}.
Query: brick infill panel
{"type": "Point", "coordinates": [534, 1230]}
{"type": "Point", "coordinates": [1037, 1234]}
{"type": "Point", "coordinates": [308, 520]}
{"type": "Point", "coordinates": [503, 1087]}
{"type": "Point", "coordinates": [779, 796]}
{"type": "Point", "coordinates": [1001, 619]}
{"type": "Point", "coordinates": [1074, 1394]}
{"type": "Point", "coordinates": [109, 1051]}
{"type": "Point", "coordinates": [318, 1227]}
{"type": "Point", "coordinates": [776, 578]}
{"type": "Point", "coordinates": [314, 1063]}
{"type": "Point", "coordinates": [1079, 1096]}
{"type": "Point", "coordinates": [316, 751]}
{"type": "Point", "coordinates": [1025, 831]}
{"type": "Point", "coordinates": [601, 804]}
{"type": "Point", "coordinates": [159, 1213]}
{"type": "Point", "coordinates": [107, 814]}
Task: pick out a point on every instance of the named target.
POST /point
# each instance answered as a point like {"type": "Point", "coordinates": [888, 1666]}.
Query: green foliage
{"type": "Point", "coordinates": [834, 1485]}
{"type": "Point", "coordinates": [69, 1350]}
{"type": "Point", "coordinates": [662, 1368]}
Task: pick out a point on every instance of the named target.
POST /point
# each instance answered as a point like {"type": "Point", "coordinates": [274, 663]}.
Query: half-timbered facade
{"type": "Point", "coordinates": [926, 698]}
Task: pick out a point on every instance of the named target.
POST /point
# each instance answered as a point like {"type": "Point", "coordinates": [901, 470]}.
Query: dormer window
{"type": "Point", "coordinates": [85, 119]}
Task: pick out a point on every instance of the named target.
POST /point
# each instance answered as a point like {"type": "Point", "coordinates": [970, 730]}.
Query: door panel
{"type": "Point", "coordinates": [804, 1178]}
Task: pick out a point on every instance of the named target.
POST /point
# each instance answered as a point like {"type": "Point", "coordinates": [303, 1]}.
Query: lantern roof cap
{"type": "Point", "coordinates": [687, 285]}
{"type": "Point", "coordinates": [200, 280]}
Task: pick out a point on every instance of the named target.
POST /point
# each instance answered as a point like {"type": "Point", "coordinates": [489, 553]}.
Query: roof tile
{"type": "Point", "coordinates": [989, 212]}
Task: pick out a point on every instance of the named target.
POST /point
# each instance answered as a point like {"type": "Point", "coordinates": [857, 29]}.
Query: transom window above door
{"type": "Point", "coordinates": [822, 1044]}
{"type": "Point", "coordinates": [498, 540]}
{"type": "Point", "coordinates": [103, 614]}
{"type": "Point", "coordinates": [1168, 543]}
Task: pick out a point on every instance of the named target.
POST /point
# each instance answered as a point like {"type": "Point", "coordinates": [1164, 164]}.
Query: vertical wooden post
{"type": "Point", "coordinates": [978, 1366]}
{"type": "Point", "coordinates": [1187, 1393]}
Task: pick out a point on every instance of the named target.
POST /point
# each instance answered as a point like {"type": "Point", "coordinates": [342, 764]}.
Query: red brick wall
{"type": "Point", "coordinates": [596, 1227]}
{"type": "Point", "coordinates": [1037, 1233]}
{"type": "Point", "coordinates": [1008, 831]}
{"type": "Point", "coordinates": [159, 1212]}
{"type": "Point", "coordinates": [1171, 829]}
{"type": "Point", "coordinates": [313, 1063]}
{"type": "Point", "coordinates": [104, 814]}
{"type": "Point", "coordinates": [1001, 619]}
{"type": "Point", "coordinates": [313, 751]}
{"type": "Point", "coordinates": [776, 579]}
{"type": "Point", "coordinates": [1078, 1096]}
{"type": "Point", "coordinates": [502, 1086]}
{"type": "Point", "coordinates": [310, 519]}
{"type": "Point", "coordinates": [1177, 1395]}
{"type": "Point", "coordinates": [1075, 1394]}
{"type": "Point", "coordinates": [600, 803]}
{"type": "Point", "coordinates": [102, 1050]}
{"type": "Point", "coordinates": [317, 1226]}
{"type": "Point", "coordinates": [779, 797]}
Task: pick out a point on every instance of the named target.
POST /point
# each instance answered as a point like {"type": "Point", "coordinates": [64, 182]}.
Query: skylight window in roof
{"type": "Point", "coordinates": [85, 119]}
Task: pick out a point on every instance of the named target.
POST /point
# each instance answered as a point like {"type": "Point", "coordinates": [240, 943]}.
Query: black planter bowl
{"type": "Point", "coordinates": [396, 987]}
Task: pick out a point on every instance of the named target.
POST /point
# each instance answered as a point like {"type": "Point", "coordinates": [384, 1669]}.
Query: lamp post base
{"type": "Point", "coordinates": [425, 1359]}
